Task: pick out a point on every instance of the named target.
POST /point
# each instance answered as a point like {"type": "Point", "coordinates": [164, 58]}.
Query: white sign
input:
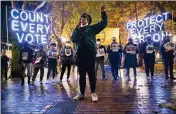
{"type": "Point", "coordinates": [30, 26]}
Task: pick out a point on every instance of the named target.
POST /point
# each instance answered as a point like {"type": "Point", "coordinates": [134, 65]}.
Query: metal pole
{"type": "Point", "coordinates": [172, 24]}
{"type": "Point", "coordinates": [7, 26]}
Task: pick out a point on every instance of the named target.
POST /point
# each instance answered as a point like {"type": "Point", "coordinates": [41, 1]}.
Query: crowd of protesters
{"type": "Point", "coordinates": [88, 55]}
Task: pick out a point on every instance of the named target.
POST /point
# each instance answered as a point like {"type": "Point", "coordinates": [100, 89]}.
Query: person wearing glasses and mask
{"type": "Point", "coordinates": [101, 52]}
{"type": "Point", "coordinates": [52, 61]}
{"type": "Point", "coordinates": [130, 52]}
{"type": "Point", "coordinates": [114, 55]}
{"type": "Point", "coordinates": [25, 61]}
{"type": "Point", "coordinates": [149, 57]}
{"type": "Point", "coordinates": [167, 51]}
{"type": "Point", "coordinates": [40, 58]}
{"type": "Point", "coordinates": [66, 55]}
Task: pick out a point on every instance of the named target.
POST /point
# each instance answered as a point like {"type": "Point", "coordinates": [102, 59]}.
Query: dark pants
{"type": "Point", "coordinates": [114, 72]}
{"type": "Point", "coordinates": [4, 71]}
{"type": "Point", "coordinates": [149, 67]}
{"type": "Point", "coordinates": [168, 64]}
{"type": "Point", "coordinates": [101, 62]}
{"type": "Point", "coordinates": [64, 65]}
{"type": "Point", "coordinates": [36, 71]}
{"type": "Point", "coordinates": [134, 70]}
{"type": "Point", "coordinates": [25, 66]}
{"type": "Point", "coordinates": [87, 65]}
{"type": "Point", "coordinates": [51, 67]}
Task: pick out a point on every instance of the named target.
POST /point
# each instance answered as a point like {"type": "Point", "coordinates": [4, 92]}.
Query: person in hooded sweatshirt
{"type": "Point", "coordinates": [25, 61]}
{"type": "Point", "coordinates": [149, 57]}
{"type": "Point", "coordinates": [114, 55]}
{"type": "Point", "coordinates": [40, 58]}
{"type": "Point", "coordinates": [167, 51]}
{"type": "Point", "coordinates": [4, 65]}
{"type": "Point", "coordinates": [66, 55]}
{"type": "Point", "coordinates": [130, 53]}
{"type": "Point", "coordinates": [84, 37]}
{"type": "Point", "coordinates": [52, 61]}
{"type": "Point", "coordinates": [101, 52]}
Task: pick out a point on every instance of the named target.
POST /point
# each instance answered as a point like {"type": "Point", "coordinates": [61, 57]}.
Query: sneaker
{"type": "Point", "coordinates": [79, 97]}
{"type": "Point", "coordinates": [22, 83]}
{"type": "Point", "coordinates": [94, 97]}
{"type": "Point", "coordinates": [117, 78]}
{"type": "Point", "coordinates": [41, 82]}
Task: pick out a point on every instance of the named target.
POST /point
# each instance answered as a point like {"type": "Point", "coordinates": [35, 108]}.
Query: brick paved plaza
{"type": "Point", "coordinates": [115, 97]}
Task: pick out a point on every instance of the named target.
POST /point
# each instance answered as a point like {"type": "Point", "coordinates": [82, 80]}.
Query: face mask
{"type": "Point", "coordinates": [98, 43]}
{"type": "Point", "coordinates": [67, 44]}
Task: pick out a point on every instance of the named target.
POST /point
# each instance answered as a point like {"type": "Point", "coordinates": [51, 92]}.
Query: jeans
{"type": "Point", "coordinates": [51, 67]}
{"type": "Point", "coordinates": [149, 67]}
{"type": "Point", "coordinates": [128, 71]}
{"type": "Point", "coordinates": [87, 65]}
{"type": "Point", "coordinates": [168, 64]}
{"type": "Point", "coordinates": [36, 71]}
{"type": "Point", "coordinates": [29, 71]}
{"type": "Point", "coordinates": [114, 72]}
{"type": "Point", "coordinates": [68, 65]}
{"type": "Point", "coordinates": [101, 62]}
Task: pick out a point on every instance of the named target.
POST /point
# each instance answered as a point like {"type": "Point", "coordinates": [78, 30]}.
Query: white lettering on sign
{"type": "Point", "coordinates": [29, 26]}
{"type": "Point", "coordinates": [152, 25]}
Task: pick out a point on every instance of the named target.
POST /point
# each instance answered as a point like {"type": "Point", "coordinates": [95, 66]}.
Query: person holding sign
{"type": "Point", "coordinates": [66, 55]}
{"type": "Point", "coordinates": [52, 61]}
{"type": "Point", "coordinates": [130, 52]}
{"type": "Point", "coordinates": [101, 52]}
{"type": "Point", "coordinates": [84, 37]}
{"type": "Point", "coordinates": [167, 50]}
{"type": "Point", "coordinates": [39, 57]}
{"type": "Point", "coordinates": [25, 61]}
{"type": "Point", "coordinates": [114, 50]}
{"type": "Point", "coordinates": [149, 57]}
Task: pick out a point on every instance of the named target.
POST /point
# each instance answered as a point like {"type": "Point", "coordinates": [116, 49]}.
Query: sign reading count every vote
{"type": "Point", "coordinates": [29, 26]}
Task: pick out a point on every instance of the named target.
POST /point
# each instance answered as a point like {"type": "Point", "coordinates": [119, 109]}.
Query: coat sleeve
{"type": "Point", "coordinates": [108, 49]}
{"type": "Point", "coordinates": [76, 35]}
{"type": "Point", "coordinates": [96, 28]}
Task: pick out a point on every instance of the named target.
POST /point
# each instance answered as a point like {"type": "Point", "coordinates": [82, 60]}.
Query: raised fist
{"type": "Point", "coordinates": [102, 8]}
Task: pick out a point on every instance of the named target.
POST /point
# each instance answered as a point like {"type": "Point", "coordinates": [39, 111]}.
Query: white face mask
{"type": "Point", "coordinates": [98, 43]}
{"type": "Point", "coordinates": [84, 25]}
{"type": "Point", "coordinates": [67, 44]}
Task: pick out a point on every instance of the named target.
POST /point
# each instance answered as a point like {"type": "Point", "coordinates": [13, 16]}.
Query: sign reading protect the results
{"type": "Point", "coordinates": [29, 26]}
{"type": "Point", "coordinates": [149, 26]}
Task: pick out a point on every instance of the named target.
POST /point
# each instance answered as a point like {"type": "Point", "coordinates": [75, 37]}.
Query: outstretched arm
{"type": "Point", "coordinates": [102, 24]}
